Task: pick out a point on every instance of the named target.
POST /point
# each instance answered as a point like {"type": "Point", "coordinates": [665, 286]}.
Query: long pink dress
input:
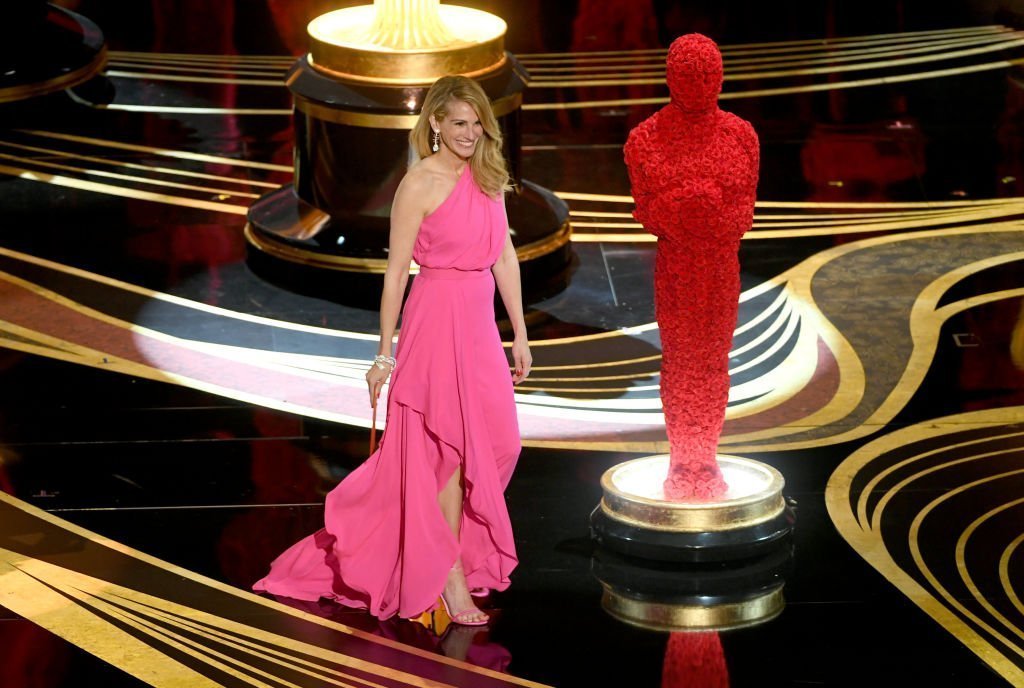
{"type": "Point", "coordinates": [385, 545]}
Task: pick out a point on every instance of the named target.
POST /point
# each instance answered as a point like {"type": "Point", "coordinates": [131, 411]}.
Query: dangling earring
{"type": "Point", "coordinates": [437, 138]}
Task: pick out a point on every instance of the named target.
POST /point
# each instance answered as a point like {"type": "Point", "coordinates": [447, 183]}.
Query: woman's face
{"type": "Point", "coordinates": [460, 130]}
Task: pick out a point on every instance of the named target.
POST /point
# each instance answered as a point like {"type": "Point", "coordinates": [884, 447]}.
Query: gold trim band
{"type": "Point", "coordinates": [377, 266]}
{"type": "Point", "coordinates": [11, 94]}
{"type": "Point", "coordinates": [424, 68]}
{"type": "Point", "coordinates": [663, 616]}
{"type": "Point", "coordinates": [375, 120]}
{"type": "Point", "coordinates": [696, 517]}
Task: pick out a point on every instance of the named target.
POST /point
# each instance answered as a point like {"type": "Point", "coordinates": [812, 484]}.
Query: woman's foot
{"type": "Point", "coordinates": [458, 602]}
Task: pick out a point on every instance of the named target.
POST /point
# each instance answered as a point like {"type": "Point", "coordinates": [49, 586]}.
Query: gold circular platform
{"type": "Point", "coordinates": [666, 616]}
{"type": "Point", "coordinates": [350, 44]}
{"type": "Point", "coordinates": [633, 495]}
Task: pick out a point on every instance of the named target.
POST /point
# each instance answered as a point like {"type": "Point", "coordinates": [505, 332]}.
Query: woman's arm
{"type": "Point", "coordinates": [506, 277]}
{"type": "Point", "coordinates": [407, 213]}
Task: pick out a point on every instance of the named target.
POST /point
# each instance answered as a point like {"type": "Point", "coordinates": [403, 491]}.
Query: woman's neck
{"type": "Point", "coordinates": [451, 162]}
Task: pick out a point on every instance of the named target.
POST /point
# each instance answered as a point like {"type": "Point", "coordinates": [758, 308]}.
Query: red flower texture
{"type": "Point", "coordinates": [693, 170]}
{"type": "Point", "coordinates": [694, 72]}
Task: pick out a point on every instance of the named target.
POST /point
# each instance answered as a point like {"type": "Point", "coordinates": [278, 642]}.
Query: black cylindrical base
{"type": "Point", "coordinates": [694, 547]}
{"type": "Point", "coordinates": [327, 233]}
{"type": "Point", "coordinates": [45, 49]}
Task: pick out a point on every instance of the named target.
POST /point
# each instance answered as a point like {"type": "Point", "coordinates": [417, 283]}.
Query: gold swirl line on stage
{"type": "Point", "coordinates": [154, 76]}
{"type": "Point", "coordinates": [655, 64]}
{"type": "Point", "coordinates": [164, 152]}
{"type": "Point", "coordinates": [780, 301]}
{"type": "Point", "coordinates": [179, 301]}
{"type": "Point", "coordinates": [203, 57]}
{"type": "Point", "coordinates": [1004, 574]}
{"type": "Point", "coordinates": [870, 544]}
{"type": "Point", "coordinates": [784, 90]}
{"type": "Point", "coordinates": [965, 573]}
{"type": "Point", "coordinates": [525, 387]}
{"type": "Point", "coordinates": [124, 177]}
{"type": "Point", "coordinates": [602, 364]}
{"type": "Point", "coordinates": [246, 672]}
{"type": "Point", "coordinates": [184, 110]}
{"type": "Point", "coordinates": [775, 221]}
{"type": "Point", "coordinates": [80, 583]}
{"type": "Point", "coordinates": [913, 222]}
{"type": "Point", "coordinates": [217, 69]}
{"type": "Point", "coordinates": [780, 73]}
{"type": "Point", "coordinates": [862, 502]}
{"type": "Point", "coordinates": [654, 77]}
{"type": "Point", "coordinates": [916, 205]}
{"type": "Point", "coordinates": [785, 315]}
{"type": "Point", "coordinates": [915, 552]}
{"type": "Point", "coordinates": [813, 43]}
{"type": "Point", "coordinates": [74, 183]}
{"type": "Point", "coordinates": [137, 166]}
{"type": "Point", "coordinates": [925, 325]}
{"type": "Point", "coordinates": [265, 653]}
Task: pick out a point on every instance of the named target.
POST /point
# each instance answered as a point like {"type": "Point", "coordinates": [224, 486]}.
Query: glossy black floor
{"type": "Point", "coordinates": [219, 486]}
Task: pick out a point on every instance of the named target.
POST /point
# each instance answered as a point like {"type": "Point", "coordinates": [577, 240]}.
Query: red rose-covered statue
{"type": "Point", "coordinates": [693, 170]}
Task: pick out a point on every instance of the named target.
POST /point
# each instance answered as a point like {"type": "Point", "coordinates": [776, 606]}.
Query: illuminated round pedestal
{"type": "Point", "coordinates": [635, 519]}
{"type": "Point", "coordinates": [355, 103]}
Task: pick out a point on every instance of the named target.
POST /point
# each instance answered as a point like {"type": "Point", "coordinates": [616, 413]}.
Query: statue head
{"type": "Point", "coordinates": [694, 73]}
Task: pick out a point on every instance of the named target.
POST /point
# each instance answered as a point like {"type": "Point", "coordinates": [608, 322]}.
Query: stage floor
{"type": "Point", "coordinates": [170, 421]}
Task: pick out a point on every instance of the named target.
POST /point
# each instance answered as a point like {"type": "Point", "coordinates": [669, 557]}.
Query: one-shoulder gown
{"type": "Point", "coordinates": [385, 545]}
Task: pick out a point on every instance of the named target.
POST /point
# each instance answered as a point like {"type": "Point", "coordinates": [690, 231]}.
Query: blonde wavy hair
{"type": "Point", "coordinates": [487, 164]}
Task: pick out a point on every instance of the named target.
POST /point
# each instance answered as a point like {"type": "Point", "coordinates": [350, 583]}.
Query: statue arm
{"type": "Point", "coordinates": [634, 154]}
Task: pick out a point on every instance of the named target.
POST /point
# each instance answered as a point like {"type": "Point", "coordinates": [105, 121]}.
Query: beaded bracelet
{"type": "Point", "coordinates": [381, 360]}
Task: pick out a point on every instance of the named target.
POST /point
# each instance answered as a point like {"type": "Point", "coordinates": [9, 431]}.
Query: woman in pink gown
{"type": "Point", "coordinates": [424, 517]}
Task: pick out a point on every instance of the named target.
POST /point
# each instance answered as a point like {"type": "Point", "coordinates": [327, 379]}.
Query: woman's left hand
{"type": "Point", "coordinates": [522, 359]}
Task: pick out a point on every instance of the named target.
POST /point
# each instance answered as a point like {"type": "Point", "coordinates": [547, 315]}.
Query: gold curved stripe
{"type": "Point", "coordinates": [915, 553]}
{"type": "Point", "coordinates": [824, 50]}
{"type": "Point", "coordinates": [917, 205]}
{"type": "Point", "coordinates": [965, 573]}
{"type": "Point", "coordinates": [784, 90]}
{"type": "Point", "coordinates": [217, 69]}
{"type": "Point", "coordinates": [99, 593]}
{"type": "Point", "coordinates": [779, 73]}
{"type": "Point", "coordinates": [353, 118]}
{"type": "Point", "coordinates": [179, 301]}
{"type": "Point", "coordinates": [185, 110]}
{"type": "Point", "coordinates": [603, 364]}
{"type": "Point", "coordinates": [871, 547]}
{"type": "Point", "coordinates": [74, 183]}
{"type": "Point", "coordinates": [785, 316]}
{"type": "Point", "coordinates": [154, 76]}
{"type": "Point", "coordinates": [1004, 574]}
{"type": "Point", "coordinates": [778, 302]}
{"type": "Point", "coordinates": [502, 107]}
{"type": "Point", "coordinates": [203, 57]}
{"type": "Point", "coordinates": [813, 43]}
{"type": "Point", "coordinates": [135, 166]}
{"type": "Point", "coordinates": [779, 220]}
{"type": "Point", "coordinates": [294, 254]}
{"type": "Point", "coordinates": [869, 488]}
{"type": "Point", "coordinates": [600, 378]}
{"type": "Point", "coordinates": [164, 152]}
{"type": "Point", "coordinates": [825, 57]}
{"type": "Point", "coordinates": [925, 323]}
{"type": "Point", "coordinates": [125, 177]}
{"type": "Point", "coordinates": [9, 94]}
{"type": "Point", "coordinates": [555, 391]}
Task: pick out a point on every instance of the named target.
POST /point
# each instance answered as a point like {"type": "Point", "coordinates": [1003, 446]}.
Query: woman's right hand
{"type": "Point", "coordinates": [375, 379]}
